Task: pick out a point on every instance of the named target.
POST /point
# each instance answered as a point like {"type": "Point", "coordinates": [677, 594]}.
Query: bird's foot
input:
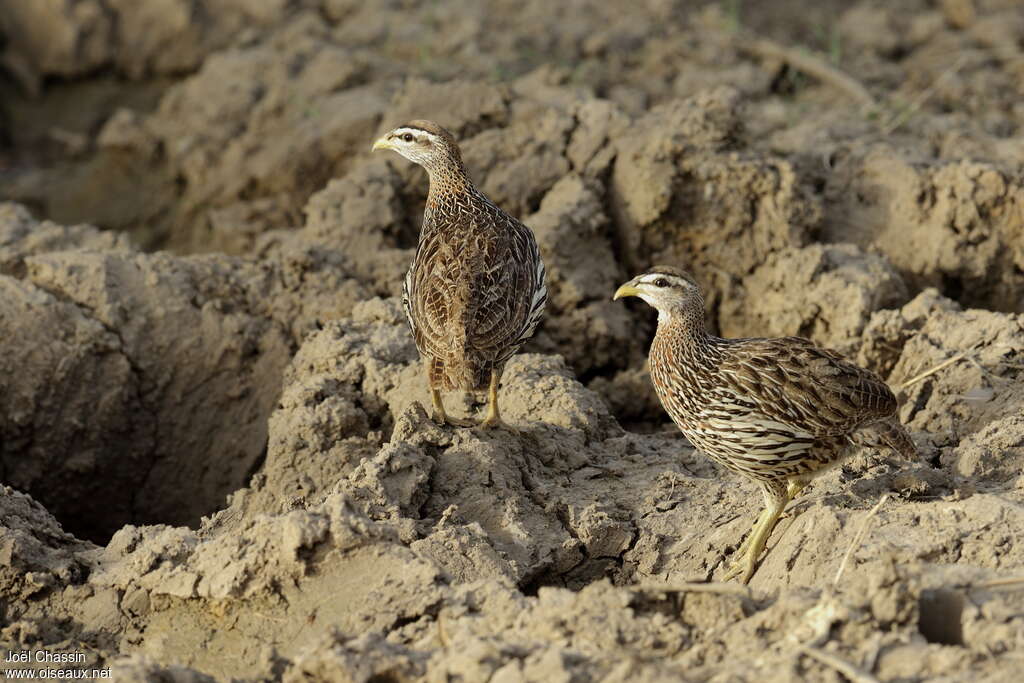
{"type": "Point", "coordinates": [495, 422]}
{"type": "Point", "coordinates": [443, 419]}
{"type": "Point", "coordinates": [493, 419]}
{"type": "Point", "coordinates": [742, 568]}
{"type": "Point", "coordinates": [743, 564]}
{"type": "Point", "coordinates": [747, 555]}
{"type": "Point", "coordinates": [745, 545]}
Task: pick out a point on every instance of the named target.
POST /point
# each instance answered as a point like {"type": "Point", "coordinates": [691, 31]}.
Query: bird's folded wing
{"type": "Point", "coordinates": [501, 296]}
{"type": "Point", "coordinates": [794, 382]}
{"type": "Point", "coordinates": [476, 288]}
{"type": "Point", "coordinates": [438, 290]}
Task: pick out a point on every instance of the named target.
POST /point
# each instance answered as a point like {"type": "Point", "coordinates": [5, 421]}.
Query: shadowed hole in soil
{"type": "Point", "coordinates": [122, 428]}
{"type": "Point", "coordinates": [588, 571]}
{"type": "Point", "coordinates": [939, 619]}
{"type": "Point", "coordinates": [385, 677]}
{"type": "Point", "coordinates": [953, 287]}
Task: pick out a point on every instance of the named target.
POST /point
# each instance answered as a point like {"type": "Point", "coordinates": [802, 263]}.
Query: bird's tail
{"type": "Point", "coordinates": [460, 372]}
{"type": "Point", "coordinates": [469, 373]}
{"type": "Point", "coordinates": [464, 368]}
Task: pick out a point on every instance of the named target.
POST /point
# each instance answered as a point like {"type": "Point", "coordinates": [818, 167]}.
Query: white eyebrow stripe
{"type": "Point", "coordinates": [417, 132]}
{"type": "Point", "coordinates": [651, 277]}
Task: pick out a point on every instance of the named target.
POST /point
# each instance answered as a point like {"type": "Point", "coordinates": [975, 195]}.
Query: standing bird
{"type": "Point", "coordinates": [778, 411]}
{"type": "Point", "coordinates": [475, 291]}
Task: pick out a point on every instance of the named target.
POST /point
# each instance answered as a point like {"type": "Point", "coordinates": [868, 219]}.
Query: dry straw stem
{"type": "Point", "coordinates": [901, 117]}
{"type": "Point", "coordinates": [858, 537]}
{"type": "Point", "coordinates": [845, 668]}
{"type": "Point", "coordinates": [969, 354]}
{"type": "Point", "coordinates": [1008, 582]}
{"type": "Point", "coordinates": [693, 587]}
{"type": "Point", "coordinates": [442, 633]}
{"type": "Point", "coordinates": [928, 373]}
{"type": "Point", "coordinates": [819, 68]}
{"type": "Point", "coordinates": [811, 65]}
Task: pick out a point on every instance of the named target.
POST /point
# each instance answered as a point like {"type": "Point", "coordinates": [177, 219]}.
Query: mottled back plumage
{"type": "Point", "coordinates": [475, 291]}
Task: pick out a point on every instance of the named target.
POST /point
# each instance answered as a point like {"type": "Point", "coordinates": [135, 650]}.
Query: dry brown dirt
{"type": "Point", "coordinates": [215, 457]}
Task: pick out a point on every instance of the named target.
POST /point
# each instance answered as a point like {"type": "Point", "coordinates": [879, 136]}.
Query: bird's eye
{"type": "Point", "coordinates": [661, 282]}
{"type": "Point", "coordinates": [407, 137]}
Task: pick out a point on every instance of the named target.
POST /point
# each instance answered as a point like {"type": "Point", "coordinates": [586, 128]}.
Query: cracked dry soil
{"type": "Point", "coordinates": [215, 459]}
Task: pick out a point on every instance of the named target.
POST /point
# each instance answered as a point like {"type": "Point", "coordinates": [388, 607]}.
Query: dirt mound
{"type": "Point", "coordinates": [957, 225]}
{"type": "Point", "coordinates": [562, 549]}
{"type": "Point", "coordinates": [124, 371]}
{"type": "Point", "coordinates": [217, 461]}
{"type": "Point", "coordinates": [825, 292]}
{"type": "Point", "coordinates": [46, 39]}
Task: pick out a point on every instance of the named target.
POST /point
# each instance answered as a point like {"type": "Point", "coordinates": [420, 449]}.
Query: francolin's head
{"type": "Point", "coordinates": [424, 143]}
{"type": "Point", "coordinates": [670, 290]}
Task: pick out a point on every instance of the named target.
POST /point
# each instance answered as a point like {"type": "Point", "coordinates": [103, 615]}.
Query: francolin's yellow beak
{"type": "Point", "coordinates": [382, 143]}
{"type": "Point", "coordinates": [628, 289]}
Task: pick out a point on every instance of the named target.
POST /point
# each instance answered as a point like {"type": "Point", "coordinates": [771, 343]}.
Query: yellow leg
{"type": "Point", "coordinates": [775, 499]}
{"type": "Point", "coordinates": [440, 417]}
{"type": "Point", "coordinates": [742, 550]}
{"type": "Point", "coordinates": [793, 489]}
{"type": "Point", "coordinates": [493, 418]}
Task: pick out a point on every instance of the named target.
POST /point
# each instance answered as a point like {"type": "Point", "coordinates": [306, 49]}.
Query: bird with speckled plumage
{"type": "Point", "coordinates": [778, 411]}
{"type": "Point", "coordinates": [476, 289]}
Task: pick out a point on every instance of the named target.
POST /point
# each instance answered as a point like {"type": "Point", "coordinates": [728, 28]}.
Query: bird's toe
{"type": "Point", "coordinates": [450, 421]}
{"type": "Point", "coordinates": [742, 569]}
{"type": "Point", "coordinates": [496, 423]}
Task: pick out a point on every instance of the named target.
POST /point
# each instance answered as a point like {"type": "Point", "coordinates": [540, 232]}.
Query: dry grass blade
{"type": "Point", "coordinates": [694, 587]}
{"type": "Point", "coordinates": [442, 633]}
{"type": "Point", "coordinates": [1008, 582]}
{"type": "Point", "coordinates": [901, 117]}
{"type": "Point", "coordinates": [845, 668]}
{"type": "Point", "coordinates": [858, 537]}
{"type": "Point", "coordinates": [928, 373]}
{"type": "Point", "coordinates": [812, 66]}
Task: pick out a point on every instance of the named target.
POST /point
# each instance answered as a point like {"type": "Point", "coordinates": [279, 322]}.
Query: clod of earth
{"type": "Point", "coordinates": [216, 459]}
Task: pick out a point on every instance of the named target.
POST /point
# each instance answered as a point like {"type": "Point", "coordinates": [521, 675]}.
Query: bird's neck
{"type": "Point", "coordinates": [685, 329]}
{"type": "Point", "coordinates": [449, 178]}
